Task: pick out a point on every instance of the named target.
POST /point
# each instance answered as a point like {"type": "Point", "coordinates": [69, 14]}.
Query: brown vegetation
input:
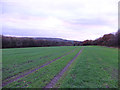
{"type": "Point", "coordinates": [110, 40]}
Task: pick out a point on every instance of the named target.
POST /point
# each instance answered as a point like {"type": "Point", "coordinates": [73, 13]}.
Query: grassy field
{"type": "Point", "coordinates": [95, 67]}
{"type": "Point", "coordinates": [18, 60]}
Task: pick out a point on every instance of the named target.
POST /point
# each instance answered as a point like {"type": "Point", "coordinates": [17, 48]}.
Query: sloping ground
{"type": "Point", "coordinates": [96, 67]}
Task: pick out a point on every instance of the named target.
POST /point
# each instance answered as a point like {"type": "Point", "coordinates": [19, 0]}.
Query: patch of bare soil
{"type": "Point", "coordinates": [113, 73]}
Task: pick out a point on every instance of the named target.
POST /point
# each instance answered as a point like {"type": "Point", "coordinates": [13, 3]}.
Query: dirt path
{"type": "Point", "coordinates": [57, 77]}
{"type": "Point", "coordinates": [12, 79]}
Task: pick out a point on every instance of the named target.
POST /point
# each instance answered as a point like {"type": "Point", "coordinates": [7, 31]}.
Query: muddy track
{"type": "Point", "coordinates": [12, 79]}
{"type": "Point", "coordinates": [57, 77]}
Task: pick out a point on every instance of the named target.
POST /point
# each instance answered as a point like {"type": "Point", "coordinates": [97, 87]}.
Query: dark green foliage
{"type": "Point", "coordinates": [14, 42]}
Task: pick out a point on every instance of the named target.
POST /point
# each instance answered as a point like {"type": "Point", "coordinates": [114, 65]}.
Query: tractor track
{"type": "Point", "coordinates": [12, 79]}
{"type": "Point", "coordinates": [58, 76]}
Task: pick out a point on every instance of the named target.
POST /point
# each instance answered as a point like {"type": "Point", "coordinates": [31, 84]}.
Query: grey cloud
{"type": "Point", "coordinates": [92, 21]}
{"type": "Point", "coordinates": [71, 13]}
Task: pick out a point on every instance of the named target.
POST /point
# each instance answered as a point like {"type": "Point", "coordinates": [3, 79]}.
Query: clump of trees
{"type": "Point", "coordinates": [111, 40]}
{"type": "Point", "coordinates": [15, 42]}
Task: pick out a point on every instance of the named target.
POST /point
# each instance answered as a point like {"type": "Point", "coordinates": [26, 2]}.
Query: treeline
{"type": "Point", "coordinates": [110, 40]}
{"type": "Point", "coordinates": [15, 42]}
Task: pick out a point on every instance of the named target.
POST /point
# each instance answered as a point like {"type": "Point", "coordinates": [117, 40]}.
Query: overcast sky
{"type": "Point", "coordinates": [67, 19]}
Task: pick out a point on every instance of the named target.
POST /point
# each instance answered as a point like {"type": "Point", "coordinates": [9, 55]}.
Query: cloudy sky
{"type": "Point", "coordinates": [67, 19]}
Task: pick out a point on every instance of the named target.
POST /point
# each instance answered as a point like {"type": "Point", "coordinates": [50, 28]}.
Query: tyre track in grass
{"type": "Point", "coordinates": [31, 71]}
{"type": "Point", "coordinates": [58, 76]}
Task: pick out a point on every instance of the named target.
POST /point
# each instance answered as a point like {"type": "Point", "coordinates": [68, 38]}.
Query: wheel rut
{"type": "Point", "coordinates": [12, 79]}
{"type": "Point", "coordinates": [58, 76]}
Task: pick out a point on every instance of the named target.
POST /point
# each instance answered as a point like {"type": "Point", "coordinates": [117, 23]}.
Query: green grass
{"type": "Point", "coordinates": [43, 76]}
{"type": "Point", "coordinates": [18, 60]}
{"type": "Point", "coordinates": [96, 67]}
